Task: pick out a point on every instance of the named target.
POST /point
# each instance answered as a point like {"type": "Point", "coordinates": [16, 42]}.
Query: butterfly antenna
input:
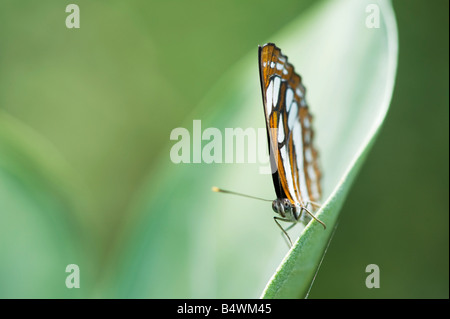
{"type": "Point", "coordinates": [219, 190]}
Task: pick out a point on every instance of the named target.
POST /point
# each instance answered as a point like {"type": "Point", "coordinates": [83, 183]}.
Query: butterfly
{"type": "Point", "coordinates": [293, 158]}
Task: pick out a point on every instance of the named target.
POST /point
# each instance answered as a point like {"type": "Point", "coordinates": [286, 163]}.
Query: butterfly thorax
{"type": "Point", "coordinates": [286, 209]}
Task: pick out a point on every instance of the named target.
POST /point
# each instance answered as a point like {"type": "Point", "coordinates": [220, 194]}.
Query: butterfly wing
{"type": "Point", "coordinates": [295, 170]}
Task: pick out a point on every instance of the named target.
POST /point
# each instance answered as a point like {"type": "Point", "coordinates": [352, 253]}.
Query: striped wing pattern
{"type": "Point", "coordinates": [296, 174]}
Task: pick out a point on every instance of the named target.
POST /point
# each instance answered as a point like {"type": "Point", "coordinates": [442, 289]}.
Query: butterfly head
{"type": "Point", "coordinates": [285, 208]}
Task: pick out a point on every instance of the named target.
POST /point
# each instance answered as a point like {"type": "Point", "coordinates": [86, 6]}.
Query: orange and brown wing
{"type": "Point", "coordinates": [296, 174]}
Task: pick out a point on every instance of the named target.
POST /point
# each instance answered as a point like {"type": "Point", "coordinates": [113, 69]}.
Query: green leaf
{"type": "Point", "coordinates": [186, 242]}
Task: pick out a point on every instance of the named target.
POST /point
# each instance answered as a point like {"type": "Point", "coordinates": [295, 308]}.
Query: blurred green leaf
{"type": "Point", "coordinates": [40, 233]}
{"type": "Point", "coordinates": [185, 241]}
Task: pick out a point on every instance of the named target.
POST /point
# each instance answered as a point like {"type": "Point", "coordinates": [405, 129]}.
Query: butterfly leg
{"type": "Point", "coordinates": [314, 217]}
{"type": "Point", "coordinates": [276, 219]}
{"type": "Point", "coordinates": [292, 225]}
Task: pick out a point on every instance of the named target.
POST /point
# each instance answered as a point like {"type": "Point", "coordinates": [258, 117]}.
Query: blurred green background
{"type": "Point", "coordinates": [86, 116]}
